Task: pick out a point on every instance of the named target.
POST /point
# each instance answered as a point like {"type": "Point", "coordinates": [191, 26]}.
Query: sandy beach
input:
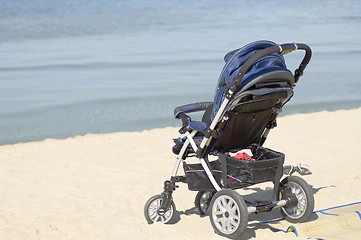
{"type": "Point", "coordinates": [95, 186]}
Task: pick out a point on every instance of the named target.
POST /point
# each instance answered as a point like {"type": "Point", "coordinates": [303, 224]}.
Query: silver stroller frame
{"type": "Point", "coordinates": [232, 221]}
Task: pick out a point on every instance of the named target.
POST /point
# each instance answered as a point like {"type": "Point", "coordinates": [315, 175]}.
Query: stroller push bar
{"type": "Point", "coordinates": [283, 49]}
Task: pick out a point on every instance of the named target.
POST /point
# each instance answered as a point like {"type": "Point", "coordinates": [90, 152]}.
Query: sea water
{"type": "Point", "coordinates": [71, 67]}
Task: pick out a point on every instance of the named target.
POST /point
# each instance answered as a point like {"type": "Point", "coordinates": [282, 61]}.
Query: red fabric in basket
{"type": "Point", "coordinates": [243, 156]}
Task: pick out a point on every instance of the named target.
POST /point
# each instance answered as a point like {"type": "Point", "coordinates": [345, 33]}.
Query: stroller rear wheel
{"type": "Point", "coordinates": [202, 201]}
{"type": "Point", "coordinates": [299, 192]}
{"type": "Point", "coordinates": [228, 213]}
{"type": "Point", "coordinates": [152, 211]}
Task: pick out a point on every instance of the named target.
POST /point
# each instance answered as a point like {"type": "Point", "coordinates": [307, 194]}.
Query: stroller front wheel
{"type": "Point", "coordinates": [228, 213]}
{"type": "Point", "coordinates": [302, 203]}
{"type": "Point", "coordinates": [152, 211]}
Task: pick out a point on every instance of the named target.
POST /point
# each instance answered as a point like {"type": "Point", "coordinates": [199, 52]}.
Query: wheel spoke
{"type": "Point", "coordinates": [156, 218]}
{"type": "Point", "coordinates": [300, 196]}
{"type": "Point", "coordinates": [218, 212]}
{"type": "Point", "coordinates": [219, 220]}
{"type": "Point", "coordinates": [153, 215]}
{"type": "Point", "coordinates": [301, 205]}
{"type": "Point", "coordinates": [220, 207]}
{"type": "Point", "coordinates": [204, 208]}
{"type": "Point", "coordinates": [230, 204]}
{"type": "Point", "coordinates": [228, 225]}
{"type": "Point", "coordinates": [224, 227]}
{"type": "Point", "coordinates": [153, 209]}
{"type": "Point", "coordinates": [233, 222]}
{"type": "Point", "coordinates": [297, 191]}
{"type": "Point", "coordinates": [223, 203]}
{"type": "Point", "coordinates": [234, 211]}
{"type": "Point", "coordinates": [154, 205]}
{"type": "Point", "coordinates": [293, 211]}
{"type": "Point", "coordinates": [234, 216]}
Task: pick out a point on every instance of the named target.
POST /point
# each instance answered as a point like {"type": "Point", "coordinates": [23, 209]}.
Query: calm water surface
{"type": "Point", "coordinates": [74, 67]}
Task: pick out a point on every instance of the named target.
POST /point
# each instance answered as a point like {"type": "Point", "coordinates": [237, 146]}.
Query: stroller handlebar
{"type": "Point", "coordinates": [282, 49]}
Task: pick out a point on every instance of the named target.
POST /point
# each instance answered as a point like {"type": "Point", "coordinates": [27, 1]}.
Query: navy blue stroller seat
{"type": "Point", "coordinates": [259, 96]}
{"type": "Point", "coordinates": [270, 67]}
{"type": "Point", "coordinates": [251, 90]}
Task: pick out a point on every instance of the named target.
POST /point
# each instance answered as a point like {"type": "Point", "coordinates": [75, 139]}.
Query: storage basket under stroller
{"type": "Point", "coordinates": [267, 166]}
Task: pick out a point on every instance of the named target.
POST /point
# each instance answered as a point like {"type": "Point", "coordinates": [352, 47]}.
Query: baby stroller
{"type": "Point", "coordinates": [251, 91]}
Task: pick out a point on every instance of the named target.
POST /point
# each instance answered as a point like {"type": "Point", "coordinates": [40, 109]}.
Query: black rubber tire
{"type": "Point", "coordinates": [305, 197]}
{"type": "Point", "coordinates": [231, 219]}
{"type": "Point", "coordinates": [203, 201]}
{"type": "Point", "coordinates": [151, 214]}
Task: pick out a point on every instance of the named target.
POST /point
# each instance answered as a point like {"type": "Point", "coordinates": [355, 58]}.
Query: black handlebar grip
{"type": "Point", "coordinates": [185, 118]}
{"type": "Point", "coordinates": [307, 57]}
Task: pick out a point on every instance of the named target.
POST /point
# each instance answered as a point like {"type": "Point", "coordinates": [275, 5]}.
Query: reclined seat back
{"type": "Point", "coordinates": [259, 97]}
{"type": "Point", "coordinates": [248, 119]}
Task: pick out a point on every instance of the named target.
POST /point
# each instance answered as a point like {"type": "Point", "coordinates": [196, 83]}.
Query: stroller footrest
{"type": "Point", "coordinates": [182, 179]}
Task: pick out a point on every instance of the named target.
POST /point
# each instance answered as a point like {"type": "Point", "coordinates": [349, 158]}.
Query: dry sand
{"type": "Point", "coordinates": [95, 186]}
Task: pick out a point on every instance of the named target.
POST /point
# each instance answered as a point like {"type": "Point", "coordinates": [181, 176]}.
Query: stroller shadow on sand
{"type": "Point", "coordinates": [256, 221]}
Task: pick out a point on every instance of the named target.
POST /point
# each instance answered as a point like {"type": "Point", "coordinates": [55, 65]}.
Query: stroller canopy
{"type": "Point", "coordinates": [234, 61]}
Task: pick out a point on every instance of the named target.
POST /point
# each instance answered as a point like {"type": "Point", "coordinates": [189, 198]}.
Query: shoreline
{"type": "Point", "coordinates": [176, 124]}
{"type": "Point", "coordinates": [95, 186]}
